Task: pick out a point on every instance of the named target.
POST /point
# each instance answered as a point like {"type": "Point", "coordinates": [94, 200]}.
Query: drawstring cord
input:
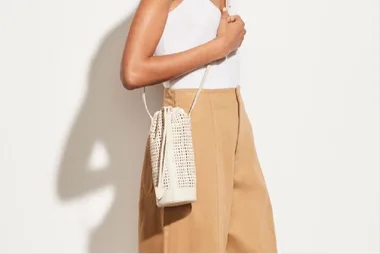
{"type": "Point", "coordinates": [163, 152]}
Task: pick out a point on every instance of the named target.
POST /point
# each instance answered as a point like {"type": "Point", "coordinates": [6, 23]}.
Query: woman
{"type": "Point", "coordinates": [172, 42]}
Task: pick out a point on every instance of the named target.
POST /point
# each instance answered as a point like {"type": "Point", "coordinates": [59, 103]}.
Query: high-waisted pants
{"type": "Point", "coordinates": [233, 211]}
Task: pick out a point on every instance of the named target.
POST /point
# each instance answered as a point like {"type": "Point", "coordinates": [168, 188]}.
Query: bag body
{"type": "Point", "coordinates": [172, 154]}
{"type": "Point", "coordinates": [172, 157]}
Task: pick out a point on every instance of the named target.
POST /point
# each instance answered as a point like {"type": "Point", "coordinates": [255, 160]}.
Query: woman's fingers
{"type": "Point", "coordinates": [233, 18]}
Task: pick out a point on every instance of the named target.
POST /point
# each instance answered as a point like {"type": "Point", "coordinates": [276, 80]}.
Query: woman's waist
{"type": "Point", "coordinates": [217, 98]}
{"type": "Point", "coordinates": [207, 86]}
{"type": "Point", "coordinates": [214, 80]}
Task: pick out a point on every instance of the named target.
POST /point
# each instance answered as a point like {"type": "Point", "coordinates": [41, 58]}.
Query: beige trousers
{"type": "Point", "coordinates": [233, 212]}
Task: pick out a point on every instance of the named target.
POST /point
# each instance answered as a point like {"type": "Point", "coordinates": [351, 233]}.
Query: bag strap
{"type": "Point", "coordinates": [199, 89]}
{"type": "Point", "coordinates": [195, 98]}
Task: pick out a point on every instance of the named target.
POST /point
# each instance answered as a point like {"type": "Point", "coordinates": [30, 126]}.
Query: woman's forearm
{"type": "Point", "coordinates": [157, 69]}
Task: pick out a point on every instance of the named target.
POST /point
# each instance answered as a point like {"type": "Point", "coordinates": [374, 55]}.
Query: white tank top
{"type": "Point", "coordinates": [192, 23]}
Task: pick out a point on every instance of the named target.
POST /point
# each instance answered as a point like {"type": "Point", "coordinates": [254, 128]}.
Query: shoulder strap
{"type": "Point", "coordinates": [195, 98]}
{"type": "Point", "coordinates": [199, 89]}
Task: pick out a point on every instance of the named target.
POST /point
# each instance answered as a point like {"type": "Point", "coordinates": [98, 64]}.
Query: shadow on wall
{"type": "Point", "coordinates": [116, 118]}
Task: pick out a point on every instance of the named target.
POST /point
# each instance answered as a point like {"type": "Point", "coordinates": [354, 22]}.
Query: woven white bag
{"type": "Point", "coordinates": [172, 154]}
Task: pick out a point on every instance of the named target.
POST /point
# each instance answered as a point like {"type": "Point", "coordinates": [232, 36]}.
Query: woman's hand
{"type": "Point", "coordinates": [231, 32]}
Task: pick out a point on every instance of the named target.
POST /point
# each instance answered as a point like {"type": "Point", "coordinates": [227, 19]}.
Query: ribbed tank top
{"type": "Point", "coordinates": [192, 23]}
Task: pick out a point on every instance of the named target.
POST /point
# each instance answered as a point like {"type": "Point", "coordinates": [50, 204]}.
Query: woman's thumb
{"type": "Point", "coordinates": [224, 13]}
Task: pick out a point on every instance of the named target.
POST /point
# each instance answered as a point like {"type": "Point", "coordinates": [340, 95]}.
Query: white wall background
{"type": "Point", "coordinates": [71, 139]}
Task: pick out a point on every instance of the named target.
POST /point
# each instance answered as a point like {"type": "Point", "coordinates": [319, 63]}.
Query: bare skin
{"type": "Point", "coordinates": [140, 68]}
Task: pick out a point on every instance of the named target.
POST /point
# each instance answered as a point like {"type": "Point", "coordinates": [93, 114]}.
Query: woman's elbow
{"type": "Point", "coordinates": [130, 79]}
{"type": "Point", "coordinates": [132, 76]}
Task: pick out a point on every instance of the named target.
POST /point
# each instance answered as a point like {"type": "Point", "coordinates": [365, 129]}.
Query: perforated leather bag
{"type": "Point", "coordinates": [172, 154]}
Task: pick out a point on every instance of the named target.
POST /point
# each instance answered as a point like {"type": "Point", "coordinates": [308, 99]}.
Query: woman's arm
{"type": "Point", "coordinates": [139, 66]}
